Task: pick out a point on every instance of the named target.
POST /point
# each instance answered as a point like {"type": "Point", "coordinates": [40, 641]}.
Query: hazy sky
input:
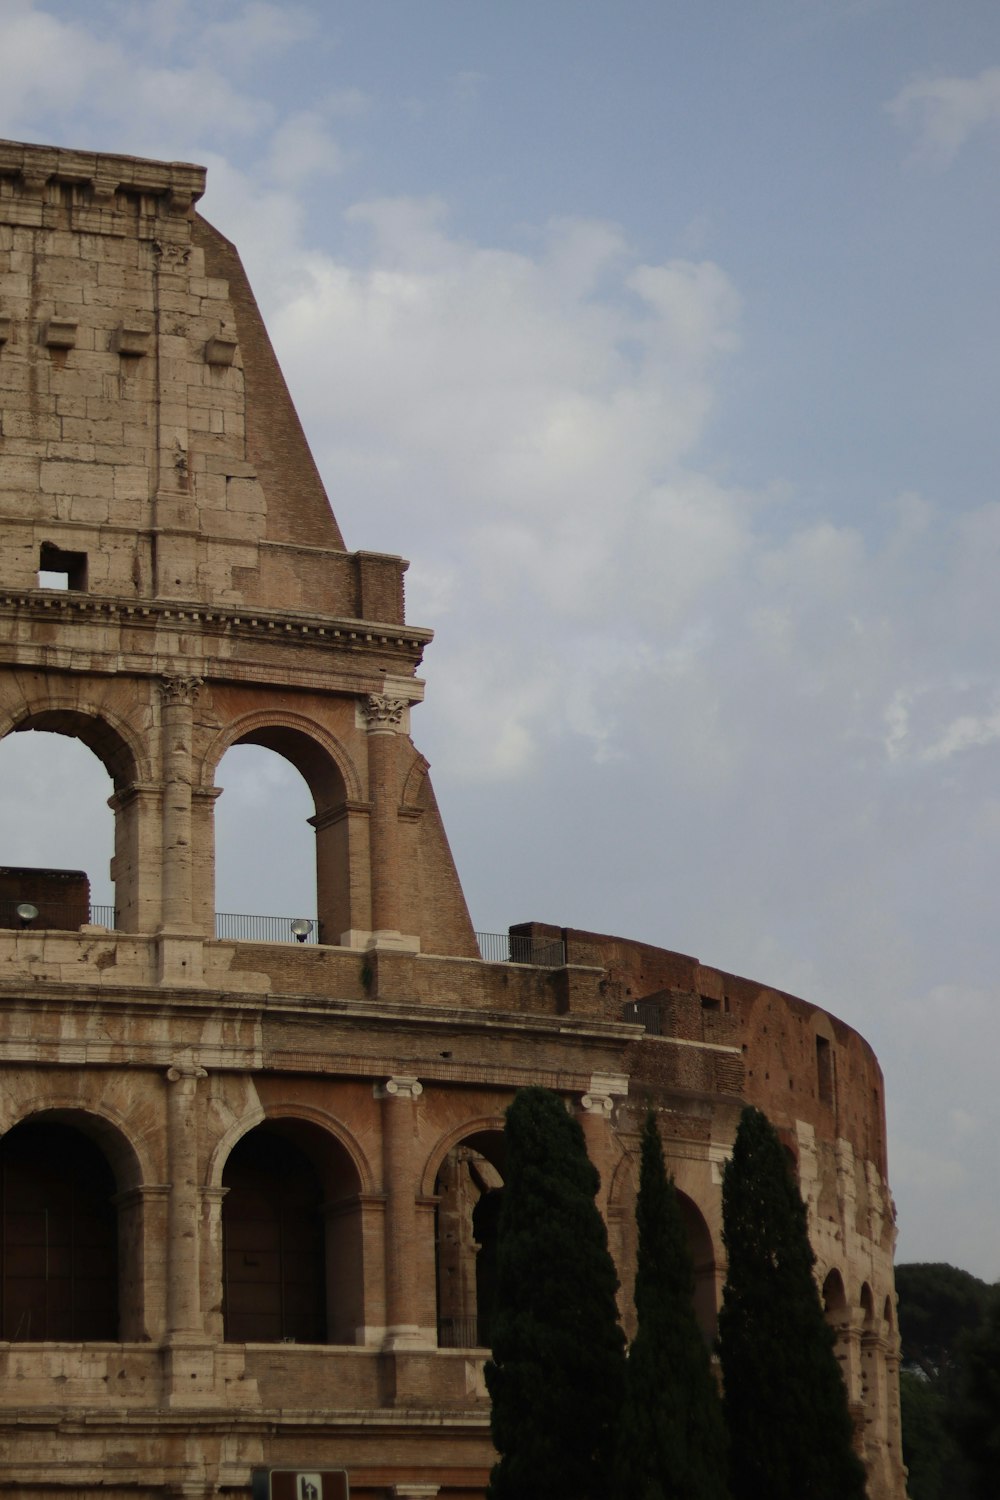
{"type": "Point", "coordinates": [663, 338]}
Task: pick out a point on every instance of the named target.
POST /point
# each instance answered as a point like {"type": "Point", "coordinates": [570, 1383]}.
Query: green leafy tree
{"type": "Point", "coordinates": [556, 1374]}
{"type": "Point", "coordinates": [975, 1408]}
{"type": "Point", "coordinates": [937, 1303]}
{"type": "Point", "coordinates": [671, 1437]}
{"type": "Point", "coordinates": [784, 1396]}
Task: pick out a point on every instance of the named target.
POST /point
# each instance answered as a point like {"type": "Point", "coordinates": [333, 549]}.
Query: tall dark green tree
{"type": "Point", "coordinates": [784, 1396]}
{"type": "Point", "coordinates": [671, 1437]}
{"type": "Point", "coordinates": [975, 1408]}
{"type": "Point", "coordinates": [556, 1374]}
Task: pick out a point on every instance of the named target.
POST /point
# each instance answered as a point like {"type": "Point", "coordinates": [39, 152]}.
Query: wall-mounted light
{"type": "Point", "coordinates": [301, 928]}
{"type": "Point", "coordinates": [26, 913]}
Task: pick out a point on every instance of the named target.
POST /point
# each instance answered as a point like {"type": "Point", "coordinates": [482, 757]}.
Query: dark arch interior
{"type": "Point", "coordinates": [273, 1243]}
{"type": "Point", "coordinates": [469, 1190]}
{"type": "Point", "coordinates": [58, 1236]}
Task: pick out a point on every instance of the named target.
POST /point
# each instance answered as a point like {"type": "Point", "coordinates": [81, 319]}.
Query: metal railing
{"type": "Point", "coordinates": [644, 1013]}
{"type": "Point", "coordinates": [56, 916]}
{"type": "Point", "coordinates": [512, 948]}
{"type": "Point", "coordinates": [249, 929]}
{"type": "Point", "coordinates": [463, 1333]}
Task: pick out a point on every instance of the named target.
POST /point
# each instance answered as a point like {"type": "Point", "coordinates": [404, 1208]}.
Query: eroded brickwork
{"type": "Point", "coordinates": [305, 1141]}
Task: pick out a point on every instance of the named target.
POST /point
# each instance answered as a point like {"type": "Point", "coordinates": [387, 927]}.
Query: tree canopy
{"type": "Point", "coordinates": [557, 1366]}
{"type": "Point", "coordinates": [671, 1437]}
{"type": "Point", "coordinates": [785, 1401]}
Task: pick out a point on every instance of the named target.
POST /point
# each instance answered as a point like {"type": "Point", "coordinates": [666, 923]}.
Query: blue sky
{"type": "Point", "coordinates": [663, 339]}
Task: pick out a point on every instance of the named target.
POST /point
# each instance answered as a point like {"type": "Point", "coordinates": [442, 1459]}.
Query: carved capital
{"type": "Point", "coordinates": [178, 1072]}
{"type": "Point", "coordinates": [180, 689]}
{"type": "Point", "coordinates": [597, 1104]}
{"type": "Point", "coordinates": [399, 1087]}
{"type": "Point", "coordinates": [383, 712]}
{"type": "Point", "coordinates": [171, 257]}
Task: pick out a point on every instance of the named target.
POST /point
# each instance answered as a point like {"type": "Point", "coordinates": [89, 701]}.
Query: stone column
{"type": "Point", "coordinates": [183, 1206]}
{"type": "Point", "coordinates": [399, 1097]}
{"type": "Point", "coordinates": [384, 719]}
{"type": "Point", "coordinates": [180, 953]}
{"type": "Point", "coordinates": [596, 1109]}
{"type": "Point", "coordinates": [178, 695]}
{"type": "Point", "coordinates": [189, 1366]}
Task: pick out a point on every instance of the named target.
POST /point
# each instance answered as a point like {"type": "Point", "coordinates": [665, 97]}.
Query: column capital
{"type": "Point", "coordinates": [382, 713]}
{"type": "Point", "coordinates": [179, 1071]}
{"type": "Point", "coordinates": [399, 1087]}
{"type": "Point", "coordinates": [604, 1089]}
{"type": "Point", "coordinates": [175, 688]}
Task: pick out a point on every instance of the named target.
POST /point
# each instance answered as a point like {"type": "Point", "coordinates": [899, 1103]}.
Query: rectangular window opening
{"type": "Point", "coordinates": [61, 570]}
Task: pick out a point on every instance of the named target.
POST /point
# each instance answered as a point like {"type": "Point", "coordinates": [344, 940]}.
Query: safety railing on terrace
{"type": "Point", "coordinates": [51, 914]}
{"type": "Point", "coordinates": [249, 929]}
{"type": "Point", "coordinates": [241, 927]}
{"type": "Point", "coordinates": [644, 1013]}
{"type": "Point", "coordinates": [512, 948]}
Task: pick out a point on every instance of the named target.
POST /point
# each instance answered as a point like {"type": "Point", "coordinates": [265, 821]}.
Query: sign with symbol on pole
{"type": "Point", "coordinates": [300, 1484]}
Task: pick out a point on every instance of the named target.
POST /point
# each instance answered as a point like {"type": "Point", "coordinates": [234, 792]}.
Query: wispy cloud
{"type": "Point", "coordinates": [944, 113]}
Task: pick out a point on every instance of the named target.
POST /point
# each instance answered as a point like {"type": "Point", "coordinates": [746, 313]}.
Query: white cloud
{"type": "Point", "coordinates": [944, 113]}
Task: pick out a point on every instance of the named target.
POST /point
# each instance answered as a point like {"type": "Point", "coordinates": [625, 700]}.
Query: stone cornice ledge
{"type": "Point", "coordinates": [311, 629]}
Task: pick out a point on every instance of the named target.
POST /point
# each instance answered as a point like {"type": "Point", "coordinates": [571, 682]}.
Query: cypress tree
{"type": "Point", "coordinates": [975, 1408]}
{"type": "Point", "coordinates": [555, 1377]}
{"type": "Point", "coordinates": [671, 1438]}
{"type": "Point", "coordinates": [784, 1396]}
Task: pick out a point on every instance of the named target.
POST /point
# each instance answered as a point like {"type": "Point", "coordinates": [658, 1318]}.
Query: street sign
{"type": "Point", "coordinates": [300, 1484]}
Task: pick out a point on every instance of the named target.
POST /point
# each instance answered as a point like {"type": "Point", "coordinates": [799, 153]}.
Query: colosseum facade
{"type": "Point", "coordinates": [250, 1183]}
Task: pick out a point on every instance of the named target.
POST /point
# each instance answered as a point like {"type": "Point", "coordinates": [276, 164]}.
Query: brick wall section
{"type": "Point", "coordinates": [298, 509]}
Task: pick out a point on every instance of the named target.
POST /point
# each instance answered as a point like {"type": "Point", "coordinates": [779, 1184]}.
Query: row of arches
{"type": "Point", "coordinates": [278, 783]}
{"type": "Point", "coordinates": [295, 1237]}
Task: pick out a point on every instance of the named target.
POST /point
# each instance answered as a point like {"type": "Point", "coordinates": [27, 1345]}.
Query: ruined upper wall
{"type": "Point", "coordinates": [796, 1062]}
{"type": "Point", "coordinates": [150, 446]}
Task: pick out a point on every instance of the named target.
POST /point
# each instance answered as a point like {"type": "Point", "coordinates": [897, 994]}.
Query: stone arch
{"type": "Point", "coordinates": [888, 1315]}
{"type": "Point", "coordinates": [293, 1245]}
{"type": "Point", "coordinates": [468, 1191]}
{"type": "Point", "coordinates": [308, 746]}
{"type": "Point", "coordinates": [866, 1301]}
{"type": "Point", "coordinates": [485, 1125]}
{"type": "Point", "coordinates": [71, 1226]}
{"type": "Point", "coordinates": [124, 754]}
{"type": "Point", "coordinates": [413, 783]}
{"type": "Point", "coordinates": [117, 744]}
{"type": "Point", "coordinates": [834, 1297]}
{"type": "Point", "coordinates": [704, 1261]}
{"type": "Point", "coordinates": [322, 1119]}
{"type": "Point", "coordinates": [339, 818]}
{"type": "Point", "coordinates": [99, 1121]}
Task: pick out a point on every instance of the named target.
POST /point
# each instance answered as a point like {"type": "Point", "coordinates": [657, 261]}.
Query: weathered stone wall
{"type": "Point", "coordinates": [151, 459]}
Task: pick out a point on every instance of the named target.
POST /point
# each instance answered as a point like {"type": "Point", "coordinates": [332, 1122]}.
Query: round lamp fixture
{"type": "Point", "coordinates": [26, 913]}
{"type": "Point", "coordinates": [301, 928]}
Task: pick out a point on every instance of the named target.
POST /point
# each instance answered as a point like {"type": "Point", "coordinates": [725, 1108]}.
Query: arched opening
{"type": "Point", "coordinates": [265, 854]}
{"type": "Point", "coordinates": [278, 779]}
{"type": "Point", "coordinates": [469, 1190]}
{"type": "Point", "coordinates": [58, 1236]}
{"type": "Point", "coordinates": [54, 811]}
{"type": "Point", "coordinates": [834, 1299]}
{"type": "Point", "coordinates": [291, 1235]}
{"type": "Point", "coordinates": [699, 1240]}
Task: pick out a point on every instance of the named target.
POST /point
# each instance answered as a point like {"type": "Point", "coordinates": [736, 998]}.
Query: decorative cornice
{"type": "Point", "coordinates": [313, 630]}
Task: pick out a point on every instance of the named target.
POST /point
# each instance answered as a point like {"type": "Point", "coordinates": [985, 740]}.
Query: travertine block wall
{"type": "Point", "coordinates": [151, 457]}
